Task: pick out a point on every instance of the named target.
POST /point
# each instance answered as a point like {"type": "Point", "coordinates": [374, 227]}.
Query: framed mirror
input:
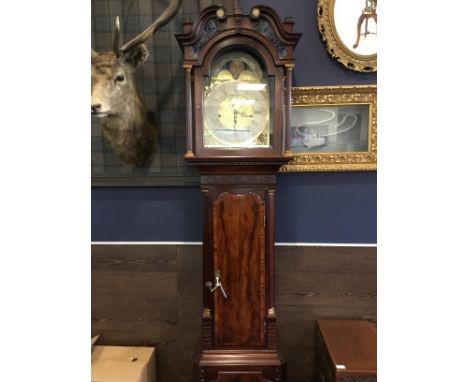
{"type": "Point", "coordinates": [349, 30]}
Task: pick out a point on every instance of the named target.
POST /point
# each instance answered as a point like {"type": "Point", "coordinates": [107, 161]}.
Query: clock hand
{"type": "Point", "coordinates": [242, 114]}
{"type": "Point", "coordinates": [235, 118]}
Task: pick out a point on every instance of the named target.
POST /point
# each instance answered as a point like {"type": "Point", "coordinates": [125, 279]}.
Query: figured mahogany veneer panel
{"type": "Point", "coordinates": [239, 255]}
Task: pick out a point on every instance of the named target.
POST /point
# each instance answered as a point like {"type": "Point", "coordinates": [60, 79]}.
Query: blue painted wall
{"type": "Point", "coordinates": [311, 207]}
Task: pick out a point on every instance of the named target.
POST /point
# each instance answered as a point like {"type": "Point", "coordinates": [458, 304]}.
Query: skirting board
{"type": "Point", "coordinates": [200, 243]}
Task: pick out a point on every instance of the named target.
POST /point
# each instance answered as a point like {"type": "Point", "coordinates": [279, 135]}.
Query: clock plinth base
{"type": "Point", "coordinates": [240, 366]}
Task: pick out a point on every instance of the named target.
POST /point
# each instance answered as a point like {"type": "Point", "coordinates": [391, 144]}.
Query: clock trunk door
{"type": "Point", "coordinates": [239, 255]}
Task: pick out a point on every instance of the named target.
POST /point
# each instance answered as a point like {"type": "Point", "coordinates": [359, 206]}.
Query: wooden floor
{"type": "Point", "coordinates": [152, 295]}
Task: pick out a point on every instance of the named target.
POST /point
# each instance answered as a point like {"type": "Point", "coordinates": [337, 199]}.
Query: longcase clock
{"type": "Point", "coordinates": [238, 86]}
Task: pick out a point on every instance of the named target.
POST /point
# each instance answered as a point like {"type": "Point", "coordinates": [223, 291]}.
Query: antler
{"type": "Point", "coordinates": [162, 20]}
{"type": "Point", "coordinates": [115, 44]}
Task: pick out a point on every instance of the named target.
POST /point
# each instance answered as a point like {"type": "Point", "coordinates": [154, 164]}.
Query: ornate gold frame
{"type": "Point", "coordinates": [337, 161]}
{"type": "Point", "coordinates": [335, 46]}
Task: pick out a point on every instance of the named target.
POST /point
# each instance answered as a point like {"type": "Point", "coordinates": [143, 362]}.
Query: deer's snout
{"type": "Point", "coordinates": [96, 108]}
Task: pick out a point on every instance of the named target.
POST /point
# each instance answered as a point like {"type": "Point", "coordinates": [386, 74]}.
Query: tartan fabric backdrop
{"type": "Point", "coordinates": [160, 83]}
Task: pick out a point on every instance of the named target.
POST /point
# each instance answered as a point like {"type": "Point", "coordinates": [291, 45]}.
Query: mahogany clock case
{"type": "Point", "coordinates": [238, 153]}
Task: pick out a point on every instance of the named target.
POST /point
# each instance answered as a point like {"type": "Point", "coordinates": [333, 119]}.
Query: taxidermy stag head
{"type": "Point", "coordinates": [126, 123]}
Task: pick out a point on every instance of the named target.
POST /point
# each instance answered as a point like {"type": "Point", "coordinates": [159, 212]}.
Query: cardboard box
{"type": "Point", "coordinates": [123, 364]}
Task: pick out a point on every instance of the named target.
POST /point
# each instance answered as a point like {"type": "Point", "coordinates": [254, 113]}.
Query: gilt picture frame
{"type": "Point", "coordinates": [333, 128]}
{"type": "Point", "coordinates": [349, 30]}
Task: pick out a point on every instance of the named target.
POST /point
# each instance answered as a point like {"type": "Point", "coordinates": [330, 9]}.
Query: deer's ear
{"type": "Point", "coordinates": [136, 56]}
{"type": "Point", "coordinates": [93, 53]}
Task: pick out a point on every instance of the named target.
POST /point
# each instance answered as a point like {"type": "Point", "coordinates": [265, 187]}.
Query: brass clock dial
{"type": "Point", "coordinates": [236, 114]}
